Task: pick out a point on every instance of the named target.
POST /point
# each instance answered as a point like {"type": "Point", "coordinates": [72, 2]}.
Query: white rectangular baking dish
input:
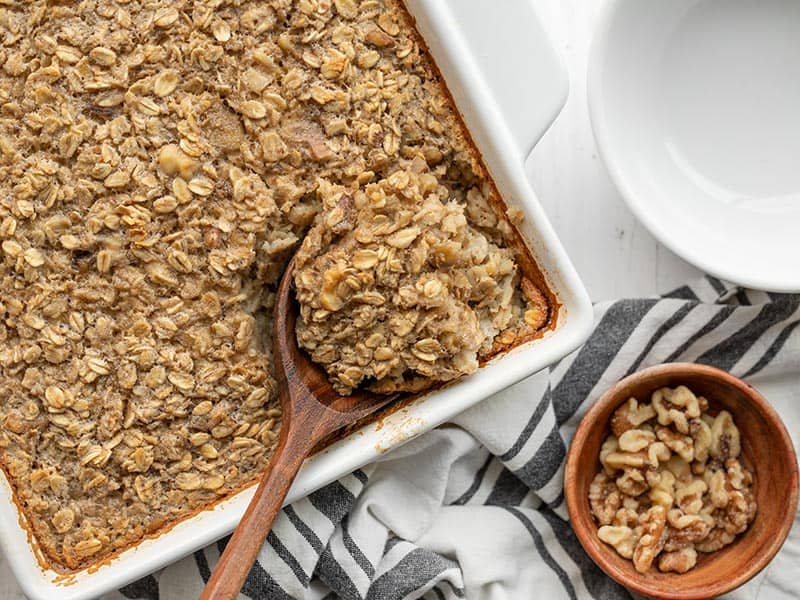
{"type": "Point", "coordinates": [509, 85]}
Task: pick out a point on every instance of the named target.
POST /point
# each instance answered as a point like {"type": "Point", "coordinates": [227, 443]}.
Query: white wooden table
{"type": "Point", "coordinates": [613, 253]}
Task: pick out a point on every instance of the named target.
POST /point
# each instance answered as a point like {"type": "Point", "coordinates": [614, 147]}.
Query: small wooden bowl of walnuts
{"type": "Point", "coordinates": [681, 482]}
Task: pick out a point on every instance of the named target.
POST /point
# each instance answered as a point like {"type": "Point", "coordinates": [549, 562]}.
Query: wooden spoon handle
{"type": "Point", "coordinates": [231, 571]}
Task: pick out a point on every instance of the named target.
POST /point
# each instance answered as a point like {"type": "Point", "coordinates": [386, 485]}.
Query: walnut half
{"type": "Point", "coordinates": [679, 561]}
{"type": "Point", "coordinates": [630, 415]}
{"type": "Point", "coordinates": [604, 498]}
{"type": "Point", "coordinates": [652, 541]}
{"type": "Point", "coordinates": [621, 537]}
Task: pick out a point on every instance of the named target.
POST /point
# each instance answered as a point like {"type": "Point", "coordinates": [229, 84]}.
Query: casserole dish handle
{"type": "Point", "coordinates": [518, 62]}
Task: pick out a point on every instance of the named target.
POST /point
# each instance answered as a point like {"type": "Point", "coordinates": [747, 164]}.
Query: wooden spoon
{"type": "Point", "coordinates": [312, 410]}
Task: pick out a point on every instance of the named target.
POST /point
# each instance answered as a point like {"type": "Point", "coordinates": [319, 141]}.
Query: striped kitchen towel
{"type": "Point", "coordinates": [475, 509]}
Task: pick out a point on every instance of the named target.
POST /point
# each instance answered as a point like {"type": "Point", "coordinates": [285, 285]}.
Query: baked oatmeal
{"type": "Point", "coordinates": [160, 161]}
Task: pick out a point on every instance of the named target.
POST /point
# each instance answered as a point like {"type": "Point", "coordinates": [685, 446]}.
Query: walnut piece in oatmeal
{"type": "Point", "coordinates": [160, 161]}
{"type": "Point", "coordinates": [672, 482]}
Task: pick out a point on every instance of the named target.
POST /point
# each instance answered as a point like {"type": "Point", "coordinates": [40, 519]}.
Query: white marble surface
{"type": "Point", "coordinates": [613, 253]}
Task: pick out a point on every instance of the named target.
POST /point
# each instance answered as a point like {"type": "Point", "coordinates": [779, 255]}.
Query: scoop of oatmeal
{"type": "Point", "coordinates": [397, 290]}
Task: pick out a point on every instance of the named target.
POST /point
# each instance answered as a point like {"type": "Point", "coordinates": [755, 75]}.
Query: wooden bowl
{"type": "Point", "coordinates": [766, 448]}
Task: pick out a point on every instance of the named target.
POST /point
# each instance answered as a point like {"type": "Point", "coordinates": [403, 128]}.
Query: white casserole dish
{"type": "Point", "coordinates": [478, 48]}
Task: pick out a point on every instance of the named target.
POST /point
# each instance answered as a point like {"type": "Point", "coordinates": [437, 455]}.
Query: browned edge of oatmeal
{"type": "Point", "coordinates": [528, 267]}
{"type": "Point", "coordinates": [524, 255]}
{"type": "Point", "coordinates": [65, 574]}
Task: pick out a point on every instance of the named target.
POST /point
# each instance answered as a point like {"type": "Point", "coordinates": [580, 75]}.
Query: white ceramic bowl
{"type": "Point", "coordinates": [695, 105]}
{"type": "Point", "coordinates": [476, 50]}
